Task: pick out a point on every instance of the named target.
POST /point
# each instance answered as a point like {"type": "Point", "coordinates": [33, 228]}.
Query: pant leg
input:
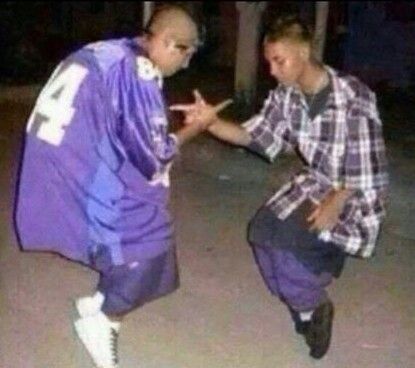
{"type": "Point", "coordinates": [266, 230]}
{"type": "Point", "coordinates": [265, 259]}
{"type": "Point", "coordinates": [130, 286]}
{"type": "Point", "coordinates": [286, 277]}
{"type": "Point", "coordinates": [294, 263]}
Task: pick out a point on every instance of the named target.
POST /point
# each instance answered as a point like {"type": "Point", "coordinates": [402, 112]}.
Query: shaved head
{"type": "Point", "coordinates": [171, 39]}
{"type": "Point", "coordinates": [174, 21]}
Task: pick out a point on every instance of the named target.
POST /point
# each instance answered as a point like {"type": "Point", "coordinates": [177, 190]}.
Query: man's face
{"type": "Point", "coordinates": [286, 60]}
{"type": "Point", "coordinates": [174, 52]}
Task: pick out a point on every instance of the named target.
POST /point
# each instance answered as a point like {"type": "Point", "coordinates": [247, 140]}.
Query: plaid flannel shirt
{"type": "Point", "coordinates": [342, 147]}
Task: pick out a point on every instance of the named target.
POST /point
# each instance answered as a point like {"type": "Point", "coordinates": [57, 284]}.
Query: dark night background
{"type": "Point", "coordinates": [373, 40]}
{"type": "Point", "coordinates": [222, 316]}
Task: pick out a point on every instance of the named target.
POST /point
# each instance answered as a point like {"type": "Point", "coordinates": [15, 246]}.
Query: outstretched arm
{"type": "Point", "coordinates": [205, 115]}
{"type": "Point", "coordinates": [230, 132]}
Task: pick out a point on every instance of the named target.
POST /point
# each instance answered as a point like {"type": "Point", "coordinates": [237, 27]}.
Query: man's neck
{"type": "Point", "coordinates": [314, 79]}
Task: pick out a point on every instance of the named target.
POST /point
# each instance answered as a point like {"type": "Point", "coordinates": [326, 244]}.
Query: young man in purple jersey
{"type": "Point", "coordinates": [94, 181]}
{"type": "Point", "coordinates": [335, 205]}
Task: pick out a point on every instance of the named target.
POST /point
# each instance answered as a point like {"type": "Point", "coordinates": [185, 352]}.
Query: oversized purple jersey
{"type": "Point", "coordinates": [96, 159]}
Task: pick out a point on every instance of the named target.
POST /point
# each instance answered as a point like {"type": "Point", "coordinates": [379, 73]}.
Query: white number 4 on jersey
{"type": "Point", "coordinates": [53, 111]}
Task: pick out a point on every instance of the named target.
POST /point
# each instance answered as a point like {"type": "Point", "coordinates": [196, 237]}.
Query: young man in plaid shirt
{"type": "Point", "coordinates": [335, 205]}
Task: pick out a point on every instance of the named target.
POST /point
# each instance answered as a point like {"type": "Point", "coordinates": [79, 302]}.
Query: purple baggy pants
{"type": "Point", "coordinates": [295, 264]}
{"type": "Point", "coordinates": [126, 287]}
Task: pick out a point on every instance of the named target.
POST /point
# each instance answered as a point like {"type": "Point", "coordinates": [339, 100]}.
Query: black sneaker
{"type": "Point", "coordinates": [318, 334]}
{"type": "Point", "coordinates": [302, 327]}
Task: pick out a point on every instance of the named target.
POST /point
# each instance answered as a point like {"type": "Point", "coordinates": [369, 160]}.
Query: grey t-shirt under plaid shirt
{"type": "Point", "coordinates": [343, 147]}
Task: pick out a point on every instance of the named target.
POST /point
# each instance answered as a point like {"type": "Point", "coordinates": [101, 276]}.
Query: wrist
{"type": "Point", "coordinates": [212, 123]}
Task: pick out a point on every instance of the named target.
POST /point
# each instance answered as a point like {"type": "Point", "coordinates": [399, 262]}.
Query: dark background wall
{"type": "Point", "coordinates": [375, 40]}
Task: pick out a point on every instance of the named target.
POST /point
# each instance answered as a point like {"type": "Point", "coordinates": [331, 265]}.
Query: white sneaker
{"type": "Point", "coordinates": [99, 336]}
{"type": "Point", "coordinates": [89, 305]}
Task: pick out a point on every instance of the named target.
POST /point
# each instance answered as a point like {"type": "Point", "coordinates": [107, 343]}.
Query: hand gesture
{"type": "Point", "coordinates": [200, 112]}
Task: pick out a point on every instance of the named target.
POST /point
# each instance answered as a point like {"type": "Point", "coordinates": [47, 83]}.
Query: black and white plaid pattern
{"type": "Point", "coordinates": [343, 147]}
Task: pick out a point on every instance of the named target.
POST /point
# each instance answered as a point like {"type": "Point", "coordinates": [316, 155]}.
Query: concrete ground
{"type": "Point", "coordinates": [222, 316]}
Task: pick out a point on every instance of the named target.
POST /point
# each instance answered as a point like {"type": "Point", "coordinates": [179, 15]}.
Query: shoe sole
{"type": "Point", "coordinates": [84, 339]}
{"type": "Point", "coordinates": [87, 337]}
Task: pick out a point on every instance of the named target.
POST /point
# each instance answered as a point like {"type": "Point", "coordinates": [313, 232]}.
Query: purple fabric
{"type": "Point", "coordinates": [92, 163]}
{"type": "Point", "coordinates": [294, 263]}
{"type": "Point", "coordinates": [286, 277]}
{"type": "Point", "coordinates": [267, 230]}
{"type": "Point", "coordinates": [131, 285]}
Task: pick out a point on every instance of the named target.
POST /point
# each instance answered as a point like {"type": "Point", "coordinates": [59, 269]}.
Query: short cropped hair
{"type": "Point", "coordinates": [158, 12]}
{"type": "Point", "coordinates": [289, 27]}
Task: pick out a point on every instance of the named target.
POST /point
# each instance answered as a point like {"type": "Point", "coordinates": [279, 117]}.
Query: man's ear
{"type": "Point", "coordinates": [168, 41]}
{"type": "Point", "coordinates": [170, 45]}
